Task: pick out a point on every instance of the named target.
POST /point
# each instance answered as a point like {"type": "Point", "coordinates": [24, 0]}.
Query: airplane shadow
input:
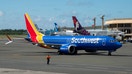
{"type": "Point", "coordinates": [122, 55]}
{"type": "Point", "coordinates": [103, 54]}
{"type": "Point", "coordinates": [38, 53]}
{"type": "Point", "coordinates": [93, 53]}
{"type": "Point", "coordinates": [79, 54]}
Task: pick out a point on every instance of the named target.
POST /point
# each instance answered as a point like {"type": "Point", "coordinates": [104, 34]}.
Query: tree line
{"type": "Point", "coordinates": [24, 32]}
{"type": "Point", "coordinates": [13, 32]}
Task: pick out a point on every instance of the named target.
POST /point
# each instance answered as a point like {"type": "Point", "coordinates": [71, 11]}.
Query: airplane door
{"type": "Point", "coordinates": [103, 42]}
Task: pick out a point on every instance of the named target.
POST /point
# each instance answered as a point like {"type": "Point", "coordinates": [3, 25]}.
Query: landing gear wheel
{"type": "Point", "coordinates": [75, 52]}
{"type": "Point", "coordinates": [59, 53]}
{"type": "Point", "coordinates": [109, 53]}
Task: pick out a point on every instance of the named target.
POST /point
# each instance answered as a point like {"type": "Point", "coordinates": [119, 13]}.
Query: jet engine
{"type": "Point", "coordinates": [68, 49]}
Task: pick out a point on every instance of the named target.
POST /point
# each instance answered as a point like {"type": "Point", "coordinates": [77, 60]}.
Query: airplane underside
{"type": "Point", "coordinates": [73, 50]}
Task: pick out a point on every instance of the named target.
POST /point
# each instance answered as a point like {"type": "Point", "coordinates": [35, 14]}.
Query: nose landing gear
{"type": "Point", "coordinates": [109, 53]}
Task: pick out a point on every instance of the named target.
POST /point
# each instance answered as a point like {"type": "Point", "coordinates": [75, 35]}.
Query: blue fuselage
{"type": "Point", "coordinates": [84, 42]}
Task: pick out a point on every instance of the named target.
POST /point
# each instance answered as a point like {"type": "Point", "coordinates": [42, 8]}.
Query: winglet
{"type": "Point", "coordinates": [9, 40]}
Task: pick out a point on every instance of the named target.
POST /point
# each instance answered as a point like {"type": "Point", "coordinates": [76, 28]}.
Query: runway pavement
{"type": "Point", "coordinates": [23, 55]}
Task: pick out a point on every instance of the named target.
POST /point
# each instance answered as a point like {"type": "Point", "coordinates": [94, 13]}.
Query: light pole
{"type": "Point", "coordinates": [94, 26]}
{"type": "Point", "coordinates": [102, 22]}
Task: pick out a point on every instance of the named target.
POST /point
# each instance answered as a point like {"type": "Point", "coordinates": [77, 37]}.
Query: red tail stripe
{"type": "Point", "coordinates": [30, 30]}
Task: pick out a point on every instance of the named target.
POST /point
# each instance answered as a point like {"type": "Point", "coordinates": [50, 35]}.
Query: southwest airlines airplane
{"type": "Point", "coordinates": [71, 44]}
{"type": "Point", "coordinates": [64, 32]}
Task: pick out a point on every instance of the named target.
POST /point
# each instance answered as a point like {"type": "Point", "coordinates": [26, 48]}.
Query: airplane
{"type": "Point", "coordinates": [28, 38]}
{"type": "Point", "coordinates": [71, 44]}
{"type": "Point", "coordinates": [9, 40]}
{"type": "Point", "coordinates": [78, 28]}
{"type": "Point", "coordinates": [98, 32]}
{"type": "Point", "coordinates": [64, 32]}
{"type": "Point", "coordinates": [56, 29]}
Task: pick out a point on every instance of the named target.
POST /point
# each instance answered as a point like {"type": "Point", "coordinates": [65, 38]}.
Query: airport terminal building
{"type": "Point", "coordinates": [122, 24]}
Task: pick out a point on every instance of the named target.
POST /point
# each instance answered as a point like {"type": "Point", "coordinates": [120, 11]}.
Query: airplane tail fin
{"type": "Point", "coordinates": [35, 35]}
{"type": "Point", "coordinates": [76, 23]}
{"type": "Point", "coordinates": [9, 40]}
{"type": "Point", "coordinates": [78, 28]}
{"type": "Point", "coordinates": [56, 27]}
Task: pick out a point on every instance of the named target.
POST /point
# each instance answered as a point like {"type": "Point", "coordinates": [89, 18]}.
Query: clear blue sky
{"type": "Point", "coordinates": [46, 12]}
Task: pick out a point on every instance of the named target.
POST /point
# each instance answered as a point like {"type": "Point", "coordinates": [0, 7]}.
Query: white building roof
{"type": "Point", "coordinates": [118, 21]}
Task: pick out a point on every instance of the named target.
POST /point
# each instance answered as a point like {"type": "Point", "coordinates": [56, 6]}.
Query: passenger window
{"type": "Point", "coordinates": [112, 41]}
{"type": "Point", "coordinates": [103, 43]}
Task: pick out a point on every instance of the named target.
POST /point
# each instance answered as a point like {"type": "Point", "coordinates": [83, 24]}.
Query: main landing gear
{"type": "Point", "coordinates": [60, 53]}
{"type": "Point", "coordinates": [109, 53]}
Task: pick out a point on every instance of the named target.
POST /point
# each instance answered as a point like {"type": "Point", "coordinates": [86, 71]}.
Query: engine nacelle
{"type": "Point", "coordinates": [68, 49]}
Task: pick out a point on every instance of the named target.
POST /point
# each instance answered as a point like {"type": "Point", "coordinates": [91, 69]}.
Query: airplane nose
{"type": "Point", "coordinates": [118, 44]}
